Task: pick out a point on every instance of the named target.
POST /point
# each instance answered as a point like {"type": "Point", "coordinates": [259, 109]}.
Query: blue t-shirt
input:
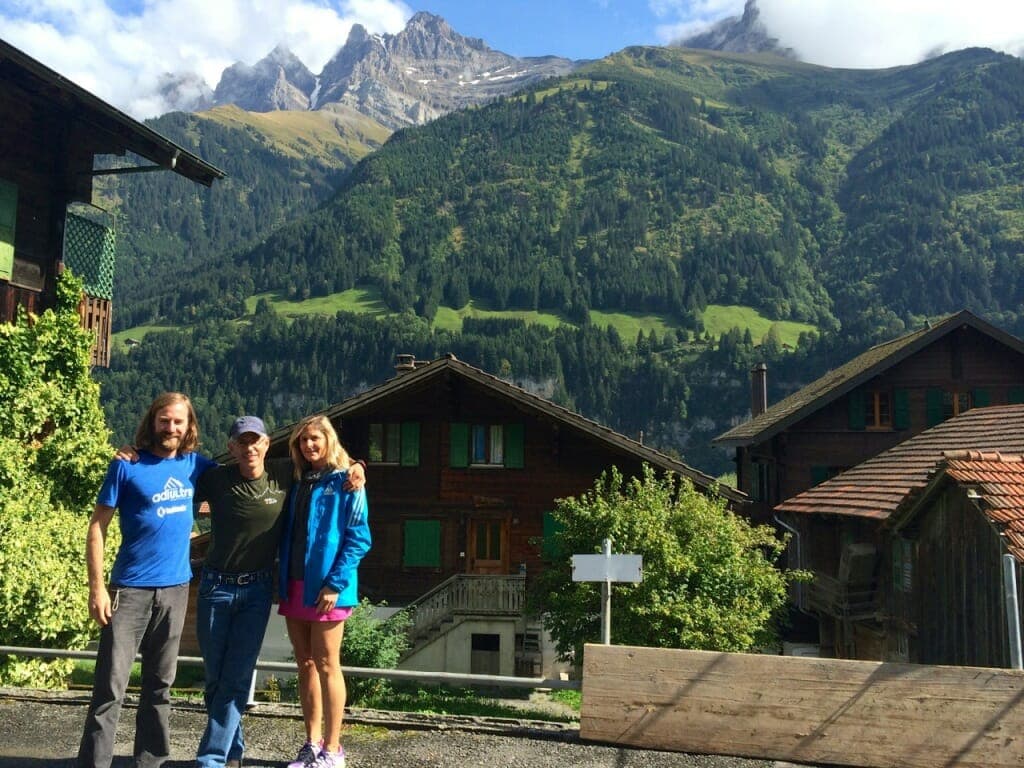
{"type": "Point", "coordinates": [153, 498]}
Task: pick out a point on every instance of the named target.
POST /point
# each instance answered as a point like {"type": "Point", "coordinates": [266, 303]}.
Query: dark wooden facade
{"type": "Point", "coordinates": [50, 133]}
{"type": "Point", "coordinates": [878, 400]}
{"type": "Point", "coordinates": [942, 598]}
{"type": "Point", "coordinates": [432, 518]}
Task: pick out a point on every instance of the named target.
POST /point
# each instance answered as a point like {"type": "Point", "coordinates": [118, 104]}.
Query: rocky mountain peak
{"type": "Point", "coordinates": [277, 81]}
{"type": "Point", "coordinates": [739, 34]}
{"type": "Point", "coordinates": [409, 78]}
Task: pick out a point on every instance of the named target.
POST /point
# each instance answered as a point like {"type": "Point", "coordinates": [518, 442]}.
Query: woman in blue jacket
{"type": "Point", "coordinates": [325, 536]}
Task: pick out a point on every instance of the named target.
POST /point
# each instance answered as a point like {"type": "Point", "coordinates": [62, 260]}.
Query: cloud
{"type": "Point", "coordinates": [881, 33]}
{"type": "Point", "coordinates": [122, 57]}
{"type": "Point", "coordinates": [861, 34]}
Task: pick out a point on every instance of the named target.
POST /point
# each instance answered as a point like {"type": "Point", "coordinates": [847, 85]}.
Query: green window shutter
{"type": "Point", "coordinates": [933, 407]}
{"type": "Point", "coordinates": [422, 547]}
{"type": "Point", "coordinates": [901, 409]}
{"type": "Point", "coordinates": [458, 444]}
{"type": "Point", "coordinates": [856, 403]}
{"type": "Point", "coordinates": [410, 444]}
{"type": "Point", "coordinates": [8, 218]}
{"type": "Point", "coordinates": [551, 528]}
{"type": "Point", "coordinates": [514, 446]}
{"type": "Point", "coordinates": [981, 398]}
{"type": "Point", "coordinates": [1015, 396]}
{"type": "Point", "coordinates": [819, 475]}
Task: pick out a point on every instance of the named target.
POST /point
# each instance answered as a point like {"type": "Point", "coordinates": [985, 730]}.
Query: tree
{"type": "Point", "coordinates": [709, 581]}
{"type": "Point", "coordinates": [54, 445]}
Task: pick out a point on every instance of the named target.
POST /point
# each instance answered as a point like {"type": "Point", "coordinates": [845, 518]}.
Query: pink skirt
{"type": "Point", "coordinates": [291, 607]}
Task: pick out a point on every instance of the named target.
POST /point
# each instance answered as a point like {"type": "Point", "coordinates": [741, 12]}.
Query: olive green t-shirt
{"type": "Point", "coordinates": [245, 515]}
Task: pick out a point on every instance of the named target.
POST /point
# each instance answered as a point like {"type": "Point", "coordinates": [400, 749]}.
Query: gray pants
{"type": "Point", "coordinates": [150, 621]}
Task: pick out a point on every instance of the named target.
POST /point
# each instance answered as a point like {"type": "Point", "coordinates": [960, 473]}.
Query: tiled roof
{"type": "Point", "coordinates": [526, 401]}
{"type": "Point", "coordinates": [998, 482]}
{"type": "Point", "coordinates": [884, 483]}
{"type": "Point", "coordinates": [850, 375]}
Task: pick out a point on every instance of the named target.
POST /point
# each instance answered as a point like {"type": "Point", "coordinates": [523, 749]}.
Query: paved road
{"type": "Point", "coordinates": [42, 729]}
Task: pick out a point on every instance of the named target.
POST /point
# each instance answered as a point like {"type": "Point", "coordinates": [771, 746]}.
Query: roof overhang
{"type": "Point", "coordinates": [88, 108]}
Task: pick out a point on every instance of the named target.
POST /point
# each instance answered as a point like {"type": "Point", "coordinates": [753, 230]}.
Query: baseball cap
{"type": "Point", "coordinates": [245, 424]}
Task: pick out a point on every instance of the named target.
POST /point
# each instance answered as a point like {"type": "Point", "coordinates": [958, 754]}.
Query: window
{"type": "Point", "coordinates": [877, 410]}
{"type": "Point", "coordinates": [955, 403]}
{"type": "Point", "coordinates": [760, 481]}
{"type": "Point", "coordinates": [395, 443]}
{"type": "Point", "coordinates": [902, 564]}
{"type": "Point", "coordinates": [486, 445]}
{"type": "Point", "coordinates": [422, 544]}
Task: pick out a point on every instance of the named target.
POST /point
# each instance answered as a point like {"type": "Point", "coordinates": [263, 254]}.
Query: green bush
{"type": "Point", "coordinates": [709, 579]}
{"type": "Point", "coordinates": [373, 642]}
{"type": "Point", "coordinates": [54, 447]}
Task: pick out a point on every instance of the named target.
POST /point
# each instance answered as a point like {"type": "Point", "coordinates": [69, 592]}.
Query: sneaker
{"type": "Point", "coordinates": [330, 759]}
{"type": "Point", "coordinates": [307, 756]}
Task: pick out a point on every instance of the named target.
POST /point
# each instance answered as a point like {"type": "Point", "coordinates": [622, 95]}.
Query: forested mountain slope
{"type": "Point", "coordinates": [659, 180]}
{"type": "Point", "coordinates": [280, 165]}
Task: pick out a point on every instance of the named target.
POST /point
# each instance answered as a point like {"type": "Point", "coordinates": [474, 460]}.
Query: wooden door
{"type": "Point", "coordinates": [488, 545]}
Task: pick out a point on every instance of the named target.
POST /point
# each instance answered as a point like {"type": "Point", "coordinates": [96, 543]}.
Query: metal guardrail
{"type": "Point", "coordinates": [443, 678]}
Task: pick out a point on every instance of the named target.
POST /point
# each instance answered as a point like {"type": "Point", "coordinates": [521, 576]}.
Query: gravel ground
{"type": "Point", "coordinates": [42, 729]}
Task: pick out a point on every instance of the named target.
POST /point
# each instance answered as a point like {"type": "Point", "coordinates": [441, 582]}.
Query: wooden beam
{"type": "Point", "coordinates": [858, 713]}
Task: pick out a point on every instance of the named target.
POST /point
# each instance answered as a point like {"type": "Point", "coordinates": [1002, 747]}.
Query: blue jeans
{"type": "Point", "coordinates": [150, 620]}
{"type": "Point", "coordinates": [230, 623]}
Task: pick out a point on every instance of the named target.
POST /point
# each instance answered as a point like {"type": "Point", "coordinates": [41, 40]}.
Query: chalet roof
{"type": "Point", "coordinates": [35, 77]}
{"type": "Point", "coordinates": [888, 482]}
{"type": "Point", "coordinates": [525, 401]}
{"type": "Point", "coordinates": [852, 374]}
{"type": "Point", "coordinates": [996, 482]}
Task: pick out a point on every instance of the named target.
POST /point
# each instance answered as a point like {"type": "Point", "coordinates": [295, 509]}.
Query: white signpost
{"type": "Point", "coordinates": [607, 568]}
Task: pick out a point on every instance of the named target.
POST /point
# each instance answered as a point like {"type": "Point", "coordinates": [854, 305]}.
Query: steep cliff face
{"type": "Point", "coordinates": [410, 78]}
{"type": "Point", "coordinates": [739, 34]}
{"type": "Point", "coordinates": [277, 81]}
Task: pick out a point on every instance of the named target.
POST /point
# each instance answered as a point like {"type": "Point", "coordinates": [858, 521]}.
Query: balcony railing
{"type": "Point", "coordinates": [467, 594]}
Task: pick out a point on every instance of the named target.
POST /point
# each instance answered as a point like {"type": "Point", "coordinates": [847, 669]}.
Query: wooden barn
{"type": "Point", "coordinates": [51, 135]}
{"type": "Point", "coordinates": [463, 471]}
{"type": "Point", "coordinates": [946, 599]}
{"type": "Point", "coordinates": [875, 401]}
{"type": "Point", "coordinates": [905, 547]}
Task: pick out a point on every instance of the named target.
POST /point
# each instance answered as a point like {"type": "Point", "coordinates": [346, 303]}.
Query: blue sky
{"type": "Point", "coordinates": [120, 49]}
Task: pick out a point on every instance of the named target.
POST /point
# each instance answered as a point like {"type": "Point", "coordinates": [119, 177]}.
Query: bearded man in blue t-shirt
{"type": "Point", "coordinates": [145, 603]}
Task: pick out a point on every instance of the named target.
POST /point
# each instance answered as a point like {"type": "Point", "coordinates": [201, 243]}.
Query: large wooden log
{"type": "Point", "coordinates": [858, 713]}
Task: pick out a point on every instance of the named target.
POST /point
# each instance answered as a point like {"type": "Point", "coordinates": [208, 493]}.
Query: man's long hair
{"type": "Point", "coordinates": [145, 435]}
{"type": "Point", "coordinates": [337, 456]}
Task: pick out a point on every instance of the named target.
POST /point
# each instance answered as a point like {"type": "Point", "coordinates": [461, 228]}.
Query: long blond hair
{"type": "Point", "coordinates": [337, 456]}
{"type": "Point", "coordinates": [145, 435]}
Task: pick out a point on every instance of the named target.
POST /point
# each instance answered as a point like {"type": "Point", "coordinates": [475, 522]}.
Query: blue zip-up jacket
{"type": "Point", "coordinates": [338, 536]}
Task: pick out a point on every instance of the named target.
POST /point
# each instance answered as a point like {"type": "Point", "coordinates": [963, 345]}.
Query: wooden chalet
{"type": "Point", "coordinates": [878, 399]}
{"type": "Point", "coordinates": [463, 471]}
{"type": "Point", "coordinates": [50, 135]}
{"type": "Point", "coordinates": [904, 548]}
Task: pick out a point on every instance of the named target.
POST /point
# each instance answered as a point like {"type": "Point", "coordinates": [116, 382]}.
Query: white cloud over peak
{"type": "Point", "coordinates": [121, 57]}
{"type": "Point", "coordinates": [865, 33]}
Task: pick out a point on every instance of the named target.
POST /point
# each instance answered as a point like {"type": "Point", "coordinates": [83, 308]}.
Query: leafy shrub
{"type": "Point", "coordinates": [53, 451]}
{"type": "Point", "coordinates": [373, 642]}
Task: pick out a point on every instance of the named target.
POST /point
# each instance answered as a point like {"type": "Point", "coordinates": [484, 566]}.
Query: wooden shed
{"type": "Point", "coordinates": [51, 134]}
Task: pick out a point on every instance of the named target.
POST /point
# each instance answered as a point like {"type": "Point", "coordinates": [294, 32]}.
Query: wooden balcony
{"type": "Point", "coordinates": [832, 597]}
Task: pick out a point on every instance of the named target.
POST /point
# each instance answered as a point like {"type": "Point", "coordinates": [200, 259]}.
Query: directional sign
{"type": "Point", "coordinates": [627, 568]}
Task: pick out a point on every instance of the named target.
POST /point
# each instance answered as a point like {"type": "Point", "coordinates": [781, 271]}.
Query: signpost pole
{"type": "Point", "coordinates": [606, 598]}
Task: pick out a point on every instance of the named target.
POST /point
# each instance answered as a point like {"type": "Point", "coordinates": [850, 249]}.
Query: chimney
{"type": "Point", "coordinates": [405, 363]}
{"type": "Point", "coordinates": [758, 389]}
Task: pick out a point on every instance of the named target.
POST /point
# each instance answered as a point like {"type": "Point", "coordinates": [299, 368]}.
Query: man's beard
{"type": "Point", "coordinates": [170, 442]}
